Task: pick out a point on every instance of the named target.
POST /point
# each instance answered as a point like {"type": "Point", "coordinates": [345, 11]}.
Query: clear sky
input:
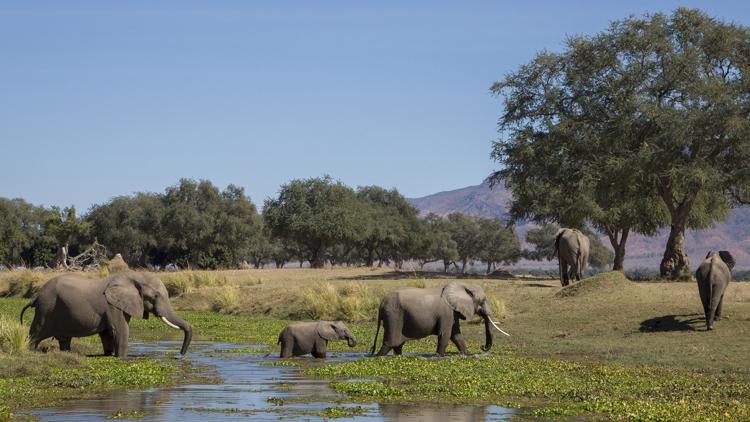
{"type": "Point", "coordinates": [106, 98]}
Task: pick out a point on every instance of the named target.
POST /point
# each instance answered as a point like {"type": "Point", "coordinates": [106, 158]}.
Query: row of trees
{"type": "Point", "coordinates": [317, 220]}
{"type": "Point", "coordinates": [639, 127]}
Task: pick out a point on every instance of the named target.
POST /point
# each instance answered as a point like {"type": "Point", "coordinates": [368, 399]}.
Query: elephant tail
{"type": "Point", "coordinates": [377, 331]}
{"type": "Point", "coordinates": [31, 304]}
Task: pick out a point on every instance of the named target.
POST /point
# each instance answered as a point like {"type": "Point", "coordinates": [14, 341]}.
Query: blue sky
{"type": "Point", "coordinates": [105, 98]}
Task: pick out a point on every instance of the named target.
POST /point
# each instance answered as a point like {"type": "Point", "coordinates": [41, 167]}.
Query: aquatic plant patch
{"type": "Point", "coordinates": [553, 387]}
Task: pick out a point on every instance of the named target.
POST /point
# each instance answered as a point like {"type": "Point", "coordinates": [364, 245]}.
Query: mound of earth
{"type": "Point", "coordinates": [613, 281]}
{"type": "Point", "coordinates": [117, 264]}
{"type": "Point", "coordinates": [502, 274]}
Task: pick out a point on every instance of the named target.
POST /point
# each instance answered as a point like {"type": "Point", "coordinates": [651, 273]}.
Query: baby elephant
{"type": "Point", "coordinates": [301, 338]}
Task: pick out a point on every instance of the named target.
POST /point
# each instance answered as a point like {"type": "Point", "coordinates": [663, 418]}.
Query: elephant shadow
{"type": "Point", "coordinates": [668, 323]}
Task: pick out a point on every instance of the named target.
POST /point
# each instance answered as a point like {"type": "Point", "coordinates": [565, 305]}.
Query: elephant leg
{"type": "Point", "coordinates": [564, 273]}
{"type": "Point", "coordinates": [107, 343]}
{"type": "Point", "coordinates": [442, 344]}
{"type": "Point", "coordinates": [64, 343]}
{"type": "Point", "coordinates": [118, 326]}
{"type": "Point", "coordinates": [398, 349]}
{"type": "Point", "coordinates": [384, 349]}
{"type": "Point", "coordinates": [320, 348]}
{"type": "Point", "coordinates": [458, 339]}
{"type": "Point", "coordinates": [286, 349]}
{"type": "Point", "coordinates": [705, 299]}
{"type": "Point", "coordinates": [717, 316]}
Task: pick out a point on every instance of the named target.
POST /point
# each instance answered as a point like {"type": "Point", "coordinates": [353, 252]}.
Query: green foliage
{"type": "Point", "coordinates": [24, 238]}
{"type": "Point", "coordinates": [567, 388]}
{"type": "Point", "coordinates": [192, 224]}
{"type": "Point", "coordinates": [634, 128]}
{"type": "Point", "coordinates": [543, 240]}
{"type": "Point", "coordinates": [317, 213]}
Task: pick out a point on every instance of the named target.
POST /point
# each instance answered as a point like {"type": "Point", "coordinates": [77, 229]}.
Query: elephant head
{"type": "Point", "coordinates": [138, 295]}
{"type": "Point", "coordinates": [468, 300]}
{"type": "Point", "coordinates": [726, 257]}
{"type": "Point", "coordinates": [329, 330]}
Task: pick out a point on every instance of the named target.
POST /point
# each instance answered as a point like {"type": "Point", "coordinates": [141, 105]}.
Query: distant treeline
{"type": "Point", "coordinates": [318, 220]}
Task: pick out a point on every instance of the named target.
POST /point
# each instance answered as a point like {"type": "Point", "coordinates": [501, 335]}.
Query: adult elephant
{"type": "Point", "coordinates": [414, 313]}
{"type": "Point", "coordinates": [572, 250]}
{"type": "Point", "coordinates": [70, 306]}
{"type": "Point", "coordinates": [713, 276]}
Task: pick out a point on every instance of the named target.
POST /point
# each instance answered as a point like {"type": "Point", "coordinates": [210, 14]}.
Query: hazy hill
{"type": "Point", "coordinates": [733, 234]}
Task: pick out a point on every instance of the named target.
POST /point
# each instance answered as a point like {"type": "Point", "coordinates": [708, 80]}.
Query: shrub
{"type": "Point", "coordinates": [25, 283]}
{"type": "Point", "coordinates": [226, 301]}
{"type": "Point", "coordinates": [351, 302]}
{"type": "Point", "coordinates": [497, 306]}
{"type": "Point", "coordinates": [14, 337]}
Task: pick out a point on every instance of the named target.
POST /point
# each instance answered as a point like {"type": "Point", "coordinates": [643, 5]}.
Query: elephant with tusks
{"type": "Point", "coordinates": [71, 305]}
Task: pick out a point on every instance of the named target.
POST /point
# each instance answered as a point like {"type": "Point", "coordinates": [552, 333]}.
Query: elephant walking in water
{"type": "Point", "coordinates": [572, 250]}
{"type": "Point", "coordinates": [414, 313]}
{"type": "Point", "coordinates": [713, 276]}
{"type": "Point", "coordinates": [301, 338]}
{"type": "Point", "coordinates": [70, 306]}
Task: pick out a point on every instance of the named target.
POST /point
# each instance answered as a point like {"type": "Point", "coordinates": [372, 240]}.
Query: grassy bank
{"type": "Point", "coordinates": [605, 346]}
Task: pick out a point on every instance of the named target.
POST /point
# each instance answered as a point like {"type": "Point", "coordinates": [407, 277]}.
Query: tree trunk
{"type": "Point", "coordinates": [489, 267]}
{"type": "Point", "coordinates": [618, 245]}
{"type": "Point", "coordinates": [463, 265]}
{"type": "Point", "coordinates": [319, 260]}
{"type": "Point", "coordinates": [675, 261]}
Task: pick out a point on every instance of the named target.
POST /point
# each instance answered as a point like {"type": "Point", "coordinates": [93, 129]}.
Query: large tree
{"type": "Point", "coordinates": [642, 125]}
{"type": "Point", "coordinates": [316, 213]}
{"type": "Point", "coordinates": [391, 220]}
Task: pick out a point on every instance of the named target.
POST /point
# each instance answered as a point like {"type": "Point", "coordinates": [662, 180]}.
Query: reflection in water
{"type": "Point", "coordinates": [250, 390]}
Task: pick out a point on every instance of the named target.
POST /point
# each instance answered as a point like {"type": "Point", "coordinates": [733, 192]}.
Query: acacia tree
{"type": "Point", "coordinates": [498, 243]}
{"type": "Point", "coordinates": [642, 125]}
{"type": "Point", "coordinates": [390, 220]}
{"type": "Point", "coordinates": [316, 213]}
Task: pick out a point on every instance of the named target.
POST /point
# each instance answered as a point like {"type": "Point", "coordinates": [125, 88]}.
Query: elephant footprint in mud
{"type": "Point", "coordinates": [71, 305]}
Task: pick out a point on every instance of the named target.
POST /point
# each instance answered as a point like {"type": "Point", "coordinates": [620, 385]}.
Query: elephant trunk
{"type": "Point", "coordinates": [351, 341]}
{"type": "Point", "coordinates": [176, 322]}
{"type": "Point", "coordinates": [487, 333]}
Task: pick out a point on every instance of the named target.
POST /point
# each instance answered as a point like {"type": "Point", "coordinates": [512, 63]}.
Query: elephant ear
{"type": "Point", "coordinates": [123, 293]}
{"type": "Point", "coordinates": [326, 330]}
{"type": "Point", "coordinates": [460, 298]}
{"type": "Point", "coordinates": [727, 258]}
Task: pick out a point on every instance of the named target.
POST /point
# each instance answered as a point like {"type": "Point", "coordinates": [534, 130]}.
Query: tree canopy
{"type": "Point", "coordinates": [640, 126]}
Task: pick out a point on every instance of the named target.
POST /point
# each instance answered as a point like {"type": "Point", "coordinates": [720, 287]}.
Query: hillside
{"type": "Point", "coordinates": [733, 234]}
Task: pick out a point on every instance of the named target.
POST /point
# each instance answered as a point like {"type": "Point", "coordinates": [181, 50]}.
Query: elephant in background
{"type": "Point", "coordinates": [301, 338]}
{"type": "Point", "coordinates": [414, 313]}
{"type": "Point", "coordinates": [572, 250]}
{"type": "Point", "coordinates": [713, 276]}
{"type": "Point", "coordinates": [71, 305]}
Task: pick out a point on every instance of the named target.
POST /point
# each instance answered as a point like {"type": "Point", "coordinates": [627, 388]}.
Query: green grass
{"type": "Point", "coordinates": [553, 387]}
{"type": "Point", "coordinates": [604, 347]}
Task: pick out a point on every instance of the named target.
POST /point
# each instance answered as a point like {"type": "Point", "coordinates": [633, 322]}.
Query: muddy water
{"type": "Point", "coordinates": [249, 389]}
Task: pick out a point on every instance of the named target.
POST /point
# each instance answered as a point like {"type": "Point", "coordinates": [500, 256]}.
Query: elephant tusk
{"type": "Point", "coordinates": [498, 328]}
{"type": "Point", "coordinates": [166, 321]}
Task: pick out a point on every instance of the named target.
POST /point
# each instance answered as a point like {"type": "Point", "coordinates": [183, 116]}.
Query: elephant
{"type": "Point", "coordinates": [572, 250]}
{"type": "Point", "coordinates": [301, 338]}
{"type": "Point", "coordinates": [713, 276]}
{"type": "Point", "coordinates": [71, 305]}
{"type": "Point", "coordinates": [414, 313]}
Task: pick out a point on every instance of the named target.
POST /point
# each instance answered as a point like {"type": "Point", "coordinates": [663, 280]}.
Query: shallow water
{"type": "Point", "coordinates": [250, 390]}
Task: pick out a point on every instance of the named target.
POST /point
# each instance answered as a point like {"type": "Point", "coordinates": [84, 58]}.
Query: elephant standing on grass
{"type": "Point", "coordinates": [713, 277]}
{"type": "Point", "coordinates": [70, 306]}
{"type": "Point", "coordinates": [301, 338]}
{"type": "Point", "coordinates": [572, 250]}
{"type": "Point", "coordinates": [414, 313]}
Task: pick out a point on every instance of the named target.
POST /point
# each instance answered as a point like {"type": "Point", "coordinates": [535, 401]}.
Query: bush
{"type": "Point", "coordinates": [25, 283]}
{"type": "Point", "coordinates": [226, 301]}
{"type": "Point", "coordinates": [14, 338]}
{"type": "Point", "coordinates": [351, 302]}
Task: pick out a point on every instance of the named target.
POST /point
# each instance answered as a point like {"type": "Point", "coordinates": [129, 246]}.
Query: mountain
{"type": "Point", "coordinates": [733, 234]}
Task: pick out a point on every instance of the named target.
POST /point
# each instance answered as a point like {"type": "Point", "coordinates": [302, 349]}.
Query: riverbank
{"type": "Point", "coordinates": [604, 348]}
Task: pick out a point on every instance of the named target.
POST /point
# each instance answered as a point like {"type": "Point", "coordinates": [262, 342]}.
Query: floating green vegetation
{"type": "Point", "coordinates": [36, 379]}
{"type": "Point", "coordinates": [562, 388]}
{"type": "Point", "coordinates": [126, 414]}
{"type": "Point", "coordinates": [341, 412]}
{"type": "Point", "coordinates": [277, 401]}
{"type": "Point", "coordinates": [231, 410]}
